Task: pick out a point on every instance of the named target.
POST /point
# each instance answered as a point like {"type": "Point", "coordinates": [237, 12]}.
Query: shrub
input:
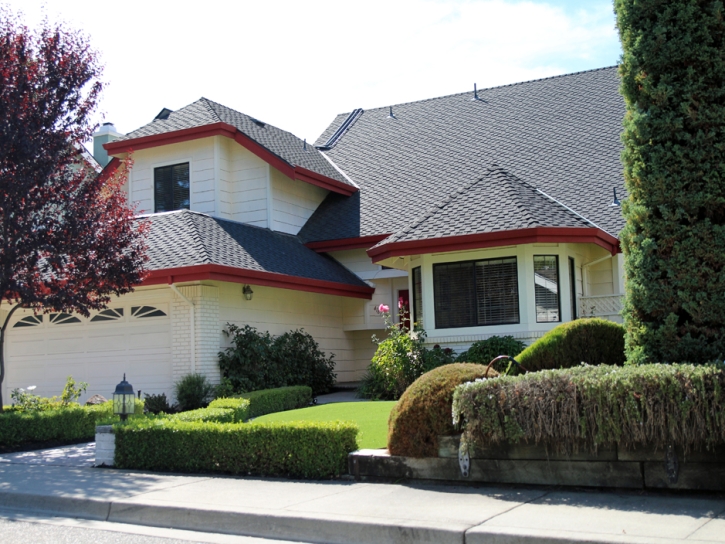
{"type": "Point", "coordinates": [591, 340]}
{"type": "Point", "coordinates": [591, 406]}
{"type": "Point", "coordinates": [258, 361]}
{"type": "Point", "coordinates": [423, 413]}
{"type": "Point", "coordinates": [240, 407]}
{"type": "Point", "coordinates": [68, 424]}
{"type": "Point", "coordinates": [157, 404]}
{"type": "Point", "coordinates": [484, 351]}
{"type": "Point", "coordinates": [438, 356]}
{"type": "Point", "coordinates": [672, 81]}
{"type": "Point", "coordinates": [280, 399]}
{"type": "Point", "coordinates": [296, 449]}
{"type": "Point", "coordinates": [219, 415]}
{"type": "Point", "coordinates": [193, 391]}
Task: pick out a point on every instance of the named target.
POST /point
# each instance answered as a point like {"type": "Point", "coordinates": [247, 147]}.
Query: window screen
{"type": "Point", "coordinates": [476, 293]}
{"type": "Point", "coordinates": [546, 285]}
{"type": "Point", "coordinates": [417, 297]}
{"type": "Point", "coordinates": [171, 188]}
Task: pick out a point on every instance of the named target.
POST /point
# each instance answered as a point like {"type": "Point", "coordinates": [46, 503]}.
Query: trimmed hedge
{"type": "Point", "coordinates": [219, 415]}
{"type": "Point", "coordinates": [240, 407]}
{"type": "Point", "coordinates": [590, 340]}
{"type": "Point", "coordinates": [295, 449]}
{"type": "Point", "coordinates": [68, 424]}
{"type": "Point", "coordinates": [268, 401]}
{"type": "Point", "coordinates": [591, 406]}
{"type": "Point", "coordinates": [423, 412]}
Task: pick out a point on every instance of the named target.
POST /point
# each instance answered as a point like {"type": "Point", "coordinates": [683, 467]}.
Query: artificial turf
{"type": "Point", "coordinates": [371, 417]}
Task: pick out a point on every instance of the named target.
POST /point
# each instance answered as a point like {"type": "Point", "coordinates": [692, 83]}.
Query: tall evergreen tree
{"type": "Point", "coordinates": [673, 82]}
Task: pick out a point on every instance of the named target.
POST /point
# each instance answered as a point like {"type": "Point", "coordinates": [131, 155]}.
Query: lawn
{"type": "Point", "coordinates": [371, 417]}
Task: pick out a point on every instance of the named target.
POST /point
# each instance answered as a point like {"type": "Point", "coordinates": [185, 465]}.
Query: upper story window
{"type": "Point", "coordinates": [476, 293]}
{"type": "Point", "coordinates": [546, 285]}
{"type": "Point", "coordinates": [171, 188]}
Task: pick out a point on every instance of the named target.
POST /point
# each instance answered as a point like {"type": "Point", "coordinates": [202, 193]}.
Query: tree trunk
{"type": "Point", "coordinates": [2, 351]}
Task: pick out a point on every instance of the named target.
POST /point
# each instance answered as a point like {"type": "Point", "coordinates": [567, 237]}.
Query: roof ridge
{"type": "Point", "coordinates": [511, 179]}
{"type": "Point", "coordinates": [199, 244]}
{"type": "Point", "coordinates": [207, 104]}
{"type": "Point", "coordinates": [515, 84]}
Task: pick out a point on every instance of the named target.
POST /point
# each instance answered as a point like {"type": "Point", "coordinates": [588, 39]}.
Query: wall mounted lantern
{"type": "Point", "coordinates": [247, 291]}
{"type": "Point", "coordinates": [123, 399]}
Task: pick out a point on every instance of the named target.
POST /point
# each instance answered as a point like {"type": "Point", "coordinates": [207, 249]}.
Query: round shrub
{"type": "Point", "coordinates": [590, 340]}
{"type": "Point", "coordinates": [484, 351]}
{"type": "Point", "coordinates": [423, 412]}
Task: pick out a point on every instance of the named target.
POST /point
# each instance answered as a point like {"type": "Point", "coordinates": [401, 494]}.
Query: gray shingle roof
{"type": "Point", "coordinates": [284, 144]}
{"type": "Point", "coordinates": [560, 134]}
{"type": "Point", "coordinates": [186, 238]}
{"type": "Point", "coordinates": [496, 202]}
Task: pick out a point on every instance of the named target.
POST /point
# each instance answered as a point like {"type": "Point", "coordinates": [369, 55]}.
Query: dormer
{"type": "Point", "coordinates": [211, 159]}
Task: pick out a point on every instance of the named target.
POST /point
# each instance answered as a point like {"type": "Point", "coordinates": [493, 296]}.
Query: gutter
{"type": "Point", "coordinates": [192, 325]}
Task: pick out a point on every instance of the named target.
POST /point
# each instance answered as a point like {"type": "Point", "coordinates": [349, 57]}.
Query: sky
{"type": "Point", "coordinates": [297, 64]}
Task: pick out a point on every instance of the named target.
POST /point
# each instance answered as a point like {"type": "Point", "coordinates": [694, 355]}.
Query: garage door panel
{"type": "Point", "coordinates": [17, 345]}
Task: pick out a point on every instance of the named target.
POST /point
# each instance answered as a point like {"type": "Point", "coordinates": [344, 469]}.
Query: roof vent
{"type": "Point", "coordinates": [304, 145]}
{"type": "Point", "coordinates": [257, 122]}
{"type": "Point", "coordinates": [475, 93]}
{"type": "Point", "coordinates": [391, 115]}
{"type": "Point", "coordinates": [616, 201]}
{"type": "Point", "coordinates": [163, 114]}
{"type": "Point", "coordinates": [354, 116]}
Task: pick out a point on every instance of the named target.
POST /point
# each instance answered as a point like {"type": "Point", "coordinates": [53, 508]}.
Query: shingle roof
{"type": "Point", "coordinates": [186, 238]}
{"type": "Point", "coordinates": [495, 202]}
{"type": "Point", "coordinates": [560, 134]}
{"type": "Point", "coordinates": [284, 144]}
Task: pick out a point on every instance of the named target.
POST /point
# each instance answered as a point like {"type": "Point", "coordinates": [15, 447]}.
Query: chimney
{"type": "Point", "coordinates": [107, 133]}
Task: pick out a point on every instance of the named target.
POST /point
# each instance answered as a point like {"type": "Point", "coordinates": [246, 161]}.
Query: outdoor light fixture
{"type": "Point", "coordinates": [247, 291]}
{"type": "Point", "coordinates": [123, 399]}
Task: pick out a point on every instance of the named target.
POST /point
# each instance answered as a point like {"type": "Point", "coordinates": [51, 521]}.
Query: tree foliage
{"type": "Point", "coordinates": [673, 82]}
{"type": "Point", "coordinates": [67, 237]}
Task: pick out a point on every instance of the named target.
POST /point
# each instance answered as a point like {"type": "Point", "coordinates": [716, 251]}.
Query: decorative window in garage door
{"type": "Point", "coordinates": [146, 311]}
{"type": "Point", "coordinates": [63, 319]}
{"type": "Point", "coordinates": [30, 321]}
{"type": "Point", "coordinates": [112, 314]}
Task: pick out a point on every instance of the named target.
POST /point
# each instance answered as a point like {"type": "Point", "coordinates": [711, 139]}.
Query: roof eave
{"type": "Point", "coordinates": [230, 131]}
{"type": "Point", "coordinates": [268, 279]}
{"type": "Point", "coordinates": [343, 244]}
{"type": "Point", "coordinates": [446, 244]}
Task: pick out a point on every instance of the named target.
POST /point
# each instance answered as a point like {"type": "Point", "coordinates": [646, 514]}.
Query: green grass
{"type": "Point", "coordinates": [371, 417]}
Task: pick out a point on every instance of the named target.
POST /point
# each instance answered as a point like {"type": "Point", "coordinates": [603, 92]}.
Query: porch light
{"type": "Point", "coordinates": [247, 291]}
{"type": "Point", "coordinates": [123, 399]}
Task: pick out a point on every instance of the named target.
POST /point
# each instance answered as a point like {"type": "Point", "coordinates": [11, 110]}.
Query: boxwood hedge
{"type": "Point", "coordinates": [295, 449]}
{"type": "Point", "coordinates": [268, 401]}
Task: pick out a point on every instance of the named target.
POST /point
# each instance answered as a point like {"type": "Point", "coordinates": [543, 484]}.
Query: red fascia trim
{"type": "Point", "coordinates": [346, 243]}
{"type": "Point", "coordinates": [267, 279]}
{"type": "Point", "coordinates": [229, 131]}
{"type": "Point", "coordinates": [494, 239]}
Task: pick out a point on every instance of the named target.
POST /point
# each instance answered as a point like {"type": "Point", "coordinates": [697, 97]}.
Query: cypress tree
{"type": "Point", "coordinates": [673, 82]}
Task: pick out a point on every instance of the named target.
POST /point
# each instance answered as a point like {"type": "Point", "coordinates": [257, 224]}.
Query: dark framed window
{"type": "Point", "coordinates": [476, 293]}
{"type": "Point", "coordinates": [546, 286]}
{"type": "Point", "coordinates": [171, 188]}
{"type": "Point", "coordinates": [417, 297]}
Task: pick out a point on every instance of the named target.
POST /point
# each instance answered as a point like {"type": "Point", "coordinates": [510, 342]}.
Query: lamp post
{"type": "Point", "coordinates": [123, 399]}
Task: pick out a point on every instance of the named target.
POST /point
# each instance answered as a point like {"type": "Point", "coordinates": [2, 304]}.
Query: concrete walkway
{"type": "Point", "coordinates": [347, 511]}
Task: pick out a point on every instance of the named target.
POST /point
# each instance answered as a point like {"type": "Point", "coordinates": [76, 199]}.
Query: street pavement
{"type": "Point", "coordinates": [346, 511]}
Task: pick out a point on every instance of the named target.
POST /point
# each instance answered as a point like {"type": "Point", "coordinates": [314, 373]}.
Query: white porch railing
{"type": "Point", "coordinates": [606, 306]}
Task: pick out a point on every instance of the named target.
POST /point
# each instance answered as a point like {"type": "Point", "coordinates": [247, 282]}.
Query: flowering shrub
{"type": "Point", "coordinates": [400, 359]}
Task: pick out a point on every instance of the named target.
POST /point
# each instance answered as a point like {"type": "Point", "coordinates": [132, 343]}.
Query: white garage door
{"type": "Point", "coordinates": [134, 338]}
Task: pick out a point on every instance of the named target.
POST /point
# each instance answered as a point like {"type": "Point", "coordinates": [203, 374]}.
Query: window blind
{"type": "Point", "coordinates": [546, 285]}
{"type": "Point", "coordinates": [417, 297]}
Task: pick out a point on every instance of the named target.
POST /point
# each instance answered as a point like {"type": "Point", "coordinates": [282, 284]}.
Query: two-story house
{"type": "Point", "coordinates": [488, 213]}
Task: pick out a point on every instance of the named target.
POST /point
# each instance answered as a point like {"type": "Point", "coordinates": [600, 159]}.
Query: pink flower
{"type": "Point", "coordinates": [383, 309]}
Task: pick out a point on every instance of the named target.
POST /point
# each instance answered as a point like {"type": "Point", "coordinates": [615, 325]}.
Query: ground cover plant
{"type": "Point", "coordinates": [587, 407]}
{"type": "Point", "coordinates": [370, 417]}
{"type": "Point", "coordinates": [292, 449]}
{"type": "Point", "coordinates": [590, 340]}
{"type": "Point", "coordinates": [257, 360]}
{"type": "Point", "coordinates": [672, 74]}
{"type": "Point", "coordinates": [423, 412]}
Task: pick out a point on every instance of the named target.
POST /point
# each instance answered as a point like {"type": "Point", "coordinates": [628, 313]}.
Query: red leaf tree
{"type": "Point", "coordinates": [68, 240]}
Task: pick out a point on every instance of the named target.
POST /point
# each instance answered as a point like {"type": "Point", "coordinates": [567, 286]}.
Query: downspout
{"type": "Point", "coordinates": [192, 326]}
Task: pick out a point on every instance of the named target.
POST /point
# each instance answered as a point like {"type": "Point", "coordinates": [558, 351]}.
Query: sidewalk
{"type": "Point", "coordinates": [347, 511]}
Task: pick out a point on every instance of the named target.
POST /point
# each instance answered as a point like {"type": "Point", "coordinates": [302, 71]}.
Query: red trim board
{"type": "Point", "coordinates": [589, 235]}
{"type": "Point", "coordinates": [269, 279]}
{"type": "Point", "coordinates": [230, 131]}
{"type": "Point", "coordinates": [346, 243]}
